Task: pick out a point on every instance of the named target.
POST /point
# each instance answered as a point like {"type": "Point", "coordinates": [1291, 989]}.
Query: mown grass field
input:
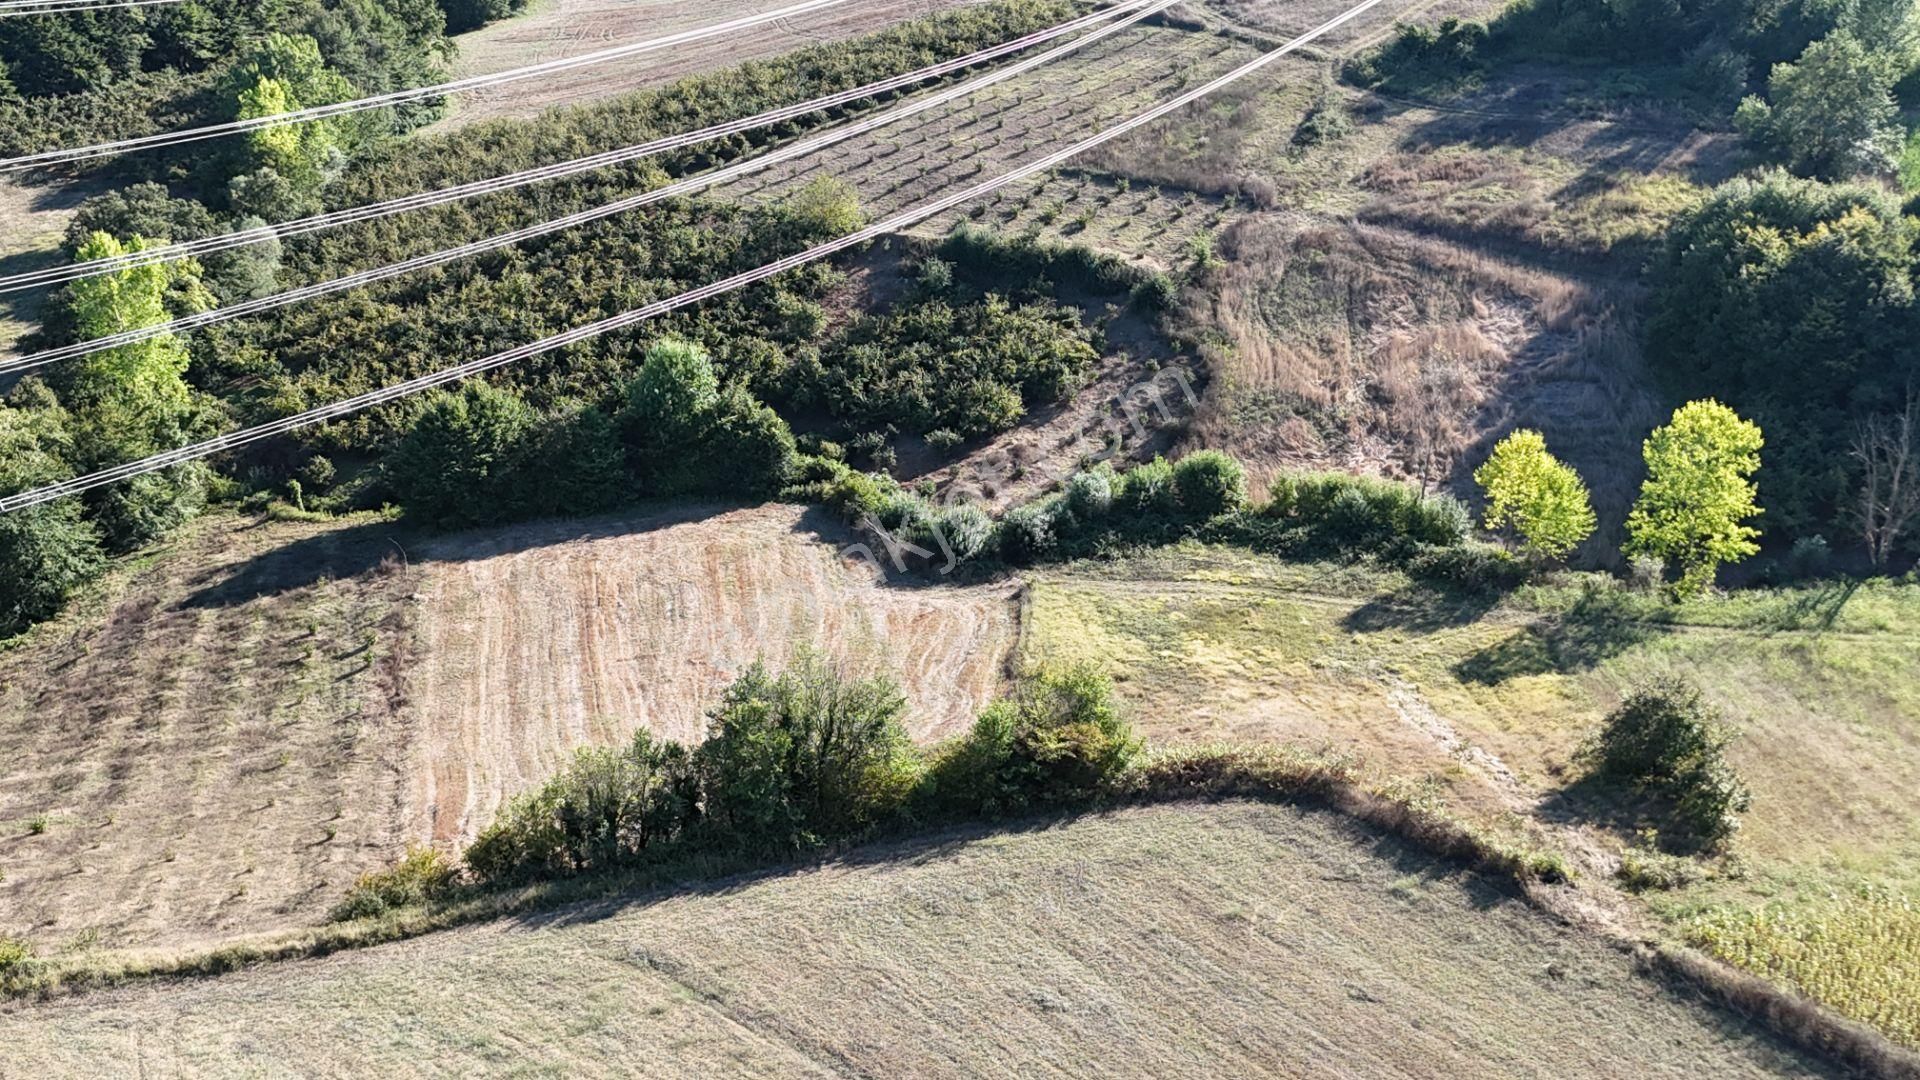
{"type": "Point", "coordinates": [241, 723]}
{"type": "Point", "coordinates": [1490, 703]}
{"type": "Point", "coordinates": [1230, 939]}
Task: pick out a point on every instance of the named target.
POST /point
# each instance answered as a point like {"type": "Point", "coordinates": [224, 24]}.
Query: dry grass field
{"type": "Point", "coordinates": [1231, 939]}
{"type": "Point", "coordinates": [215, 745]}
{"type": "Point", "coordinates": [247, 721]}
{"type": "Point", "coordinates": [1487, 705]}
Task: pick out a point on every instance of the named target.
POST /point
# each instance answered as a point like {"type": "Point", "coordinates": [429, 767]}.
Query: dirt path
{"type": "Point", "coordinates": [553, 636]}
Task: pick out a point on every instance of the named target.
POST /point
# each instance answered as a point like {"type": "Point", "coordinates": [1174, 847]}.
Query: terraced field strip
{"type": "Point", "coordinates": [1182, 941]}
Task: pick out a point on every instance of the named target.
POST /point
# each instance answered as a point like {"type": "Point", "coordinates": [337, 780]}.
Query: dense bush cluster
{"type": "Point", "coordinates": [1794, 302]}
{"type": "Point", "coordinates": [1666, 741]}
{"type": "Point", "coordinates": [804, 757]}
{"type": "Point", "coordinates": [481, 454]}
{"type": "Point", "coordinates": [85, 77]}
{"type": "Point", "coordinates": [968, 369]}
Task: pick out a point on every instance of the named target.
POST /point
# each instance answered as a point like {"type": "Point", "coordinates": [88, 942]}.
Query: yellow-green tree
{"type": "Point", "coordinates": [1536, 495]}
{"type": "Point", "coordinates": [1698, 493]}
{"type": "Point", "coordinates": [133, 400]}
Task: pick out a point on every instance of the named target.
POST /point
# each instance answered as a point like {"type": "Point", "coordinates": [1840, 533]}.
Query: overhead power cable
{"type": "Point", "coordinates": [638, 315]}
{"type": "Point", "coordinates": [493, 243]}
{"type": "Point", "coordinates": [401, 97]}
{"type": "Point", "coordinates": [57, 275]}
{"type": "Point", "coordinates": [66, 7]}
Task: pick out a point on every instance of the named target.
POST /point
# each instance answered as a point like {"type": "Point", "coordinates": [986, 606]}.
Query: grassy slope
{"type": "Point", "coordinates": [1229, 939]}
{"type": "Point", "coordinates": [1823, 684]}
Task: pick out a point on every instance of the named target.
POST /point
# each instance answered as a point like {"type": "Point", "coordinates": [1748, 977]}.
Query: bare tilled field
{"type": "Point", "coordinates": [217, 747]}
{"type": "Point", "coordinates": [1228, 939]}
{"type": "Point", "coordinates": [544, 638]}
{"type": "Point", "coordinates": [557, 29]}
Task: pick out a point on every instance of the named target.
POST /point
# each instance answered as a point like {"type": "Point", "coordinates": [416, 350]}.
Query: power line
{"type": "Point", "coordinates": [64, 7]}
{"type": "Point", "coordinates": [582, 217]}
{"type": "Point", "coordinates": [400, 97]}
{"type": "Point", "coordinates": [905, 219]}
{"type": "Point", "coordinates": [244, 237]}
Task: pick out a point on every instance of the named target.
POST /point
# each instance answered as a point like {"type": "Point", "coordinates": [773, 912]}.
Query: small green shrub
{"type": "Point", "coordinates": [423, 874]}
{"type": "Point", "coordinates": [1059, 740]}
{"type": "Point", "coordinates": [1665, 740]}
{"type": "Point", "coordinates": [1208, 483]}
{"type": "Point", "coordinates": [15, 952]}
{"type": "Point", "coordinates": [607, 806]}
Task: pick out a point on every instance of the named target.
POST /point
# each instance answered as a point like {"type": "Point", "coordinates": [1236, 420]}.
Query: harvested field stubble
{"type": "Point", "coordinates": [1186, 940]}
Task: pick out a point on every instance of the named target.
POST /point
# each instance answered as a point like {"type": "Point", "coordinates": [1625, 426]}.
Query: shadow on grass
{"type": "Point", "coordinates": [1422, 609]}
{"type": "Point", "coordinates": [353, 550]}
{"type": "Point", "coordinates": [1582, 639]}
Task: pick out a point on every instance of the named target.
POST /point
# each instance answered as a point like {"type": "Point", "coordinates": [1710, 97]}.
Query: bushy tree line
{"type": "Point", "coordinates": [93, 76]}
{"type": "Point", "coordinates": [100, 410]}
{"type": "Point", "coordinates": [807, 756]}
{"type": "Point", "coordinates": [1830, 76]}
{"type": "Point", "coordinates": [481, 454]}
{"type": "Point", "coordinates": [1794, 302]}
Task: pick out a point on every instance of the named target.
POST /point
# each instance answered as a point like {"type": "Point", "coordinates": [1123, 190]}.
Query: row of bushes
{"type": "Point", "coordinates": [1203, 494]}
{"type": "Point", "coordinates": [482, 454]}
{"type": "Point", "coordinates": [801, 758]}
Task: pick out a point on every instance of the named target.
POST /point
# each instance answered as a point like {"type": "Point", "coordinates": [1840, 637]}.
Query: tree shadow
{"type": "Point", "coordinates": [381, 546]}
{"type": "Point", "coordinates": [1580, 640]}
{"type": "Point", "coordinates": [1422, 609]}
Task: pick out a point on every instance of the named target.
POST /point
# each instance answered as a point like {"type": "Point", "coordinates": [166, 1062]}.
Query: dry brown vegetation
{"type": "Point", "coordinates": [1235, 938]}
{"type": "Point", "coordinates": [215, 746]}
{"type": "Point", "coordinates": [264, 712]}
{"type": "Point", "coordinates": [1364, 348]}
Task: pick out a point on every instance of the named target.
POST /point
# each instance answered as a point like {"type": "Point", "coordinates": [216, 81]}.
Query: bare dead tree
{"type": "Point", "coordinates": [1888, 450]}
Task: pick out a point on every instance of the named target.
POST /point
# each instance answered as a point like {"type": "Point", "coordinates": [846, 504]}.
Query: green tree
{"type": "Point", "coordinates": [285, 73]}
{"type": "Point", "coordinates": [1698, 493]}
{"type": "Point", "coordinates": [685, 435]}
{"type": "Point", "coordinates": [48, 551]}
{"type": "Point", "coordinates": [461, 455]}
{"type": "Point", "coordinates": [1792, 301]}
{"type": "Point", "coordinates": [1535, 494]}
{"type": "Point", "coordinates": [804, 756]}
{"type": "Point", "coordinates": [1832, 114]}
{"type": "Point", "coordinates": [132, 401]}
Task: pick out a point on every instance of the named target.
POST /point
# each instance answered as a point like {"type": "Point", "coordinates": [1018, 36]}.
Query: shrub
{"type": "Point", "coordinates": [1208, 483]}
{"type": "Point", "coordinates": [1059, 740]}
{"type": "Point", "coordinates": [606, 807]}
{"type": "Point", "coordinates": [1089, 495]}
{"type": "Point", "coordinates": [463, 448]}
{"type": "Point", "coordinates": [421, 875]}
{"type": "Point", "coordinates": [15, 952]}
{"type": "Point", "coordinates": [1364, 514]}
{"type": "Point", "coordinates": [805, 756]}
{"type": "Point", "coordinates": [1027, 535]}
{"type": "Point", "coordinates": [1147, 491]}
{"type": "Point", "coordinates": [1666, 741]}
